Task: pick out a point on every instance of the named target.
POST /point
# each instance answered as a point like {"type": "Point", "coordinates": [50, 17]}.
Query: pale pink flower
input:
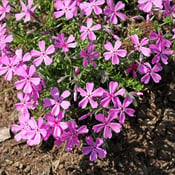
{"type": "Point", "coordinates": [57, 102]}
{"type": "Point", "coordinates": [87, 7]}
{"type": "Point", "coordinates": [4, 39]}
{"type": "Point", "coordinates": [139, 45]}
{"type": "Point", "coordinates": [107, 125]}
{"type": "Point", "coordinates": [43, 54]}
{"type": "Point", "coordinates": [114, 52]}
{"type": "Point", "coordinates": [4, 8]}
{"type": "Point", "coordinates": [88, 31]}
{"type": "Point", "coordinates": [89, 95]}
{"type": "Point", "coordinates": [28, 11]}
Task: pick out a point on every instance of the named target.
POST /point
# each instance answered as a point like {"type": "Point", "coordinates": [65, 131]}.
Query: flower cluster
{"type": "Point", "coordinates": [94, 48]}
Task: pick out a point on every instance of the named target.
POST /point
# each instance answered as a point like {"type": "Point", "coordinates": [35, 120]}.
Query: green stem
{"type": "Point", "coordinates": [6, 90]}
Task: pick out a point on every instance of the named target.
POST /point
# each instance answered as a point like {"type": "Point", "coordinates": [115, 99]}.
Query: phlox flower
{"type": "Point", "coordinates": [4, 39]}
{"type": "Point", "coordinates": [114, 52]}
{"type": "Point", "coordinates": [71, 137]}
{"type": "Point", "coordinates": [87, 7]}
{"type": "Point", "coordinates": [88, 31]}
{"type": "Point", "coordinates": [3, 29]}
{"type": "Point", "coordinates": [161, 52]}
{"type": "Point", "coordinates": [56, 123]}
{"type": "Point", "coordinates": [133, 68]}
{"type": "Point", "coordinates": [37, 132]}
{"type": "Point", "coordinates": [28, 11]}
{"type": "Point", "coordinates": [4, 8]}
{"type": "Point", "coordinates": [65, 45]}
{"type": "Point", "coordinates": [67, 7]}
{"type": "Point", "coordinates": [25, 103]}
{"type": "Point", "coordinates": [112, 94]}
{"type": "Point", "coordinates": [147, 5]}
{"type": "Point", "coordinates": [89, 95]}
{"type": "Point", "coordinates": [169, 10]}
{"type": "Point", "coordinates": [89, 55]}
{"type": "Point", "coordinates": [107, 125]}
{"type": "Point", "coordinates": [22, 128]}
{"type": "Point", "coordinates": [121, 109]}
{"type": "Point", "coordinates": [8, 67]}
{"type": "Point", "coordinates": [43, 54]}
{"type": "Point", "coordinates": [113, 11]}
{"type": "Point", "coordinates": [174, 33]}
{"type": "Point", "coordinates": [94, 148]}
{"type": "Point", "coordinates": [150, 72]}
{"type": "Point", "coordinates": [158, 36]}
{"type": "Point", "coordinates": [57, 102]}
{"type": "Point", "coordinates": [28, 79]}
{"type": "Point", "coordinates": [139, 45]}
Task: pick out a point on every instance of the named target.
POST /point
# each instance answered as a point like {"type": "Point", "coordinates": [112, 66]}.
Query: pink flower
{"type": "Point", "coordinates": [111, 95]}
{"type": "Point", "coordinates": [57, 102]}
{"type": "Point", "coordinates": [22, 128]}
{"type": "Point", "coordinates": [65, 45]}
{"type": "Point", "coordinates": [28, 79]}
{"type": "Point", "coordinates": [25, 103]}
{"type": "Point", "coordinates": [67, 7]}
{"type": "Point", "coordinates": [88, 31]}
{"type": "Point", "coordinates": [3, 29]}
{"type": "Point", "coordinates": [161, 52]}
{"type": "Point", "coordinates": [5, 8]}
{"type": "Point", "coordinates": [94, 148]}
{"type": "Point", "coordinates": [89, 95]}
{"type": "Point", "coordinates": [43, 55]}
{"type": "Point", "coordinates": [133, 68]}
{"type": "Point", "coordinates": [87, 7]}
{"type": "Point", "coordinates": [4, 39]}
{"type": "Point", "coordinates": [139, 45]}
{"type": "Point", "coordinates": [56, 124]}
{"type": "Point", "coordinates": [150, 72]}
{"type": "Point", "coordinates": [37, 132]}
{"type": "Point", "coordinates": [168, 9]}
{"type": "Point", "coordinates": [174, 33]}
{"type": "Point", "coordinates": [27, 11]}
{"type": "Point", "coordinates": [123, 108]}
{"type": "Point", "coordinates": [114, 52]}
{"type": "Point", "coordinates": [9, 67]}
{"type": "Point", "coordinates": [71, 137]}
{"type": "Point", "coordinates": [113, 11]}
{"type": "Point", "coordinates": [146, 5]}
{"type": "Point", "coordinates": [107, 125]}
{"type": "Point", "coordinates": [89, 55]}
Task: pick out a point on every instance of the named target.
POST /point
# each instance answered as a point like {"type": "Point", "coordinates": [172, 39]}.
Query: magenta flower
{"type": "Point", "coordinates": [66, 7]}
{"type": "Point", "coordinates": [161, 52]}
{"type": "Point", "coordinates": [25, 103]}
{"type": "Point", "coordinates": [43, 55]}
{"type": "Point", "coordinates": [37, 132]}
{"type": "Point", "coordinates": [89, 55]}
{"type": "Point", "coordinates": [5, 8]}
{"type": "Point", "coordinates": [133, 68]}
{"type": "Point", "coordinates": [94, 148]}
{"type": "Point", "coordinates": [9, 67]}
{"type": "Point", "coordinates": [88, 31]}
{"type": "Point", "coordinates": [57, 102]}
{"type": "Point", "coordinates": [28, 79]}
{"type": "Point", "coordinates": [89, 95]}
{"type": "Point", "coordinates": [113, 11]}
{"type": "Point", "coordinates": [107, 124]}
{"type": "Point", "coordinates": [150, 72]}
{"type": "Point", "coordinates": [56, 124]}
{"type": "Point", "coordinates": [87, 7]}
{"type": "Point", "coordinates": [3, 29]}
{"type": "Point", "coordinates": [71, 136]}
{"type": "Point", "coordinates": [146, 5]}
{"type": "Point", "coordinates": [28, 11]}
{"type": "Point", "coordinates": [112, 94]}
{"type": "Point", "coordinates": [122, 109]}
{"type": "Point", "coordinates": [139, 45]}
{"type": "Point", "coordinates": [65, 45]}
{"type": "Point", "coordinates": [4, 39]}
{"type": "Point", "coordinates": [22, 128]}
{"type": "Point", "coordinates": [158, 36]}
{"type": "Point", "coordinates": [168, 9]}
{"type": "Point", "coordinates": [114, 52]}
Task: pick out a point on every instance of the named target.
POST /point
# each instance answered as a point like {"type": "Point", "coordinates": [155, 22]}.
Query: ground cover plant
{"type": "Point", "coordinates": [78, 67]}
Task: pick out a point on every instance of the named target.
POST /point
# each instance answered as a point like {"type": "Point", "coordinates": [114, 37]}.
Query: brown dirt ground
{"type": "Point", "coordinates": [146, 145]}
